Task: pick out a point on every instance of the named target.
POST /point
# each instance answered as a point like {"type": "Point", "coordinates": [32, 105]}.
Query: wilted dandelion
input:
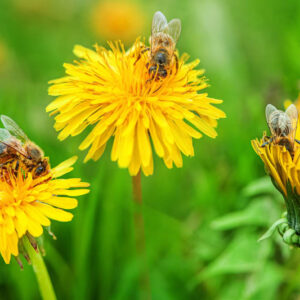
{"type": "Point", "coordinates": [117, 20]}
{"type": "Point", "coordinates": [281, 157]}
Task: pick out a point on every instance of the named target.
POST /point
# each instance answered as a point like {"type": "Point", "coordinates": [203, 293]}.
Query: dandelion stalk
{"type": "Point", "coordinates": [138, 217]}
{"type": "Point", "coordinates": [40, 270]}
{"type": "Point", "coordinates": [139, 227]}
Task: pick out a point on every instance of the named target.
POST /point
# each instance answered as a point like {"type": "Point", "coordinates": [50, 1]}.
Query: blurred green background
{"type": "Point", "coordinates": [202, 222]}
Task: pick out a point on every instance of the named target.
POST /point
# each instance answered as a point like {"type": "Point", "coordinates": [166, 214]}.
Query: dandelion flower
{"type": "Point", "coordinates": [112, 91]}
{"type": "Point", "coordinates": [28, 204]}
{"type": "Point", "coordinates": [280, 165]}
{"type": "Point", "coordinates": [283, 166]}
{"type": "Point", "coordinates": [117, 20]}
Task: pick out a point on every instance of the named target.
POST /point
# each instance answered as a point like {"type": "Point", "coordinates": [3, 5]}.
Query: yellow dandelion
{"type": "Point", "coordinates": [281, 158]}
{"type": "Point", "coordinates": [284, 170]}
{"type": "Point", "coordinates": [113, 91]}
{"type": "Point", "coordinates": [116, 20]}
{"type": "Point", "coordinates": [280, 164]}
{"type": "Point", "coordinates": [27, 204]}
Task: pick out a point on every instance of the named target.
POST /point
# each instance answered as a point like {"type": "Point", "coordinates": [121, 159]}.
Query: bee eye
{"type": "Point", "coordinates": [152, 69]}
{"type": "Point", "coordinates": [163, 73]}
{"type": "Point", "coordinates": [39, 170]}
{"type": "Point", "coordinates": [161, 58]}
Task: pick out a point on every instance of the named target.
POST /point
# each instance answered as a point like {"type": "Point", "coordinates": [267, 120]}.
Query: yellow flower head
{"type": "Point", "coordinates": [117, 20]}
{"type": "Point", "coordinates": [280, 164]}
{"type": "Point", "coordinates": [281, 157]}
{"type": "Point", "coordinates": [284, 170]}
{"type": "Point", "coordinates": [113, 91]}
{"type": "Point", "coordinates": [27, 204]}
{"type": "Point", "coordinates": [280, 153]}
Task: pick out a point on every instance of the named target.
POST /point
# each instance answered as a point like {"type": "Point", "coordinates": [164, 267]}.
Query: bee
{"type": "Point", "coordinates": [282, 126]}
{"type": "Point", "coordinates": [16, 149]}
{"type": "Point", "coordinates": [163, 39]}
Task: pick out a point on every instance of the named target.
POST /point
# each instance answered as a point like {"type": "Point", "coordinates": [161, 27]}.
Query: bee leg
{"type": "Point", "coordinates": [177, 63]}
{"type": "Point", "coordinates": [145, 50]}
{"type": "Point", "coordinates": [267, 142]}
{"type": "Point", "coordinates": [140, 54]}
{"type": "Point", "coordinates": [297, 141]}
{"type": "Point", "coordinates": [157, 89]}
{"type": "Point", "coordinates": [137, 59]}
{"type": "Point", "coordinates": [154, 72]}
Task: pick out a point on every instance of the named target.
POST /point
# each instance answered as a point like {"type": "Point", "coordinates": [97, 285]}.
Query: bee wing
{"type": "Point", "coordinates": [292, 112]}
{"type": "Point", "coordinates": [173, 29]}
{"type": "Point", "coordinates": [8, 140]}
{"type": "Point", "coordinates": [159, 22]}
{"type": "Point", "coordinates": [16, 148]}
{"type": "Point", "coordinates": [13, 128]}
{"type": "Point", "coordinates": [269, 110]}
{"type": "Point", "coordinates": [4, 135]}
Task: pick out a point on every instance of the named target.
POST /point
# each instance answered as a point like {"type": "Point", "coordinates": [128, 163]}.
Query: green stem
{"type": "Point", "coordinates": [138, 216]}
{"type": "Point", "coordinates": [293, 208]}
{"type": "Point", "coordinates": [140, 235]}
{"type": "Point", "coordinates": [40, 271]}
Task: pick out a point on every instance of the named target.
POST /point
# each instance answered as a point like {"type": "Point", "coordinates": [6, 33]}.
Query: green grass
{"type": "Point", "coordinates": [250, 50]}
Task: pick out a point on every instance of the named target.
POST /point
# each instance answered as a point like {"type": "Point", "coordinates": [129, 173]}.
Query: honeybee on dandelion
{"type": "Point", "coordinates": [145, 99]}
{"type": "Point", "coordinates": [163, 41]}
{"type": "Point", "coordinates": [280, 154]}
{"type": "Point", "coordinates": [16, 148]}
{"type": "Point", "coordinates": [282, 126]}
{"type": "Point", "coordinates": [162, 51]}
{"type": "Point", "coordinates": [30, 192]}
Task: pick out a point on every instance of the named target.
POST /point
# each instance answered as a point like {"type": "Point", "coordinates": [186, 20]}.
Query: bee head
{"type": "Point", "coordinates": [42, 168]}
{"type": "Point", "coordinates": [161, 57]}
{"type": "Point", "coordinates": [152, 69]}
{"type": "Point", "coordinates": [34, 152]}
